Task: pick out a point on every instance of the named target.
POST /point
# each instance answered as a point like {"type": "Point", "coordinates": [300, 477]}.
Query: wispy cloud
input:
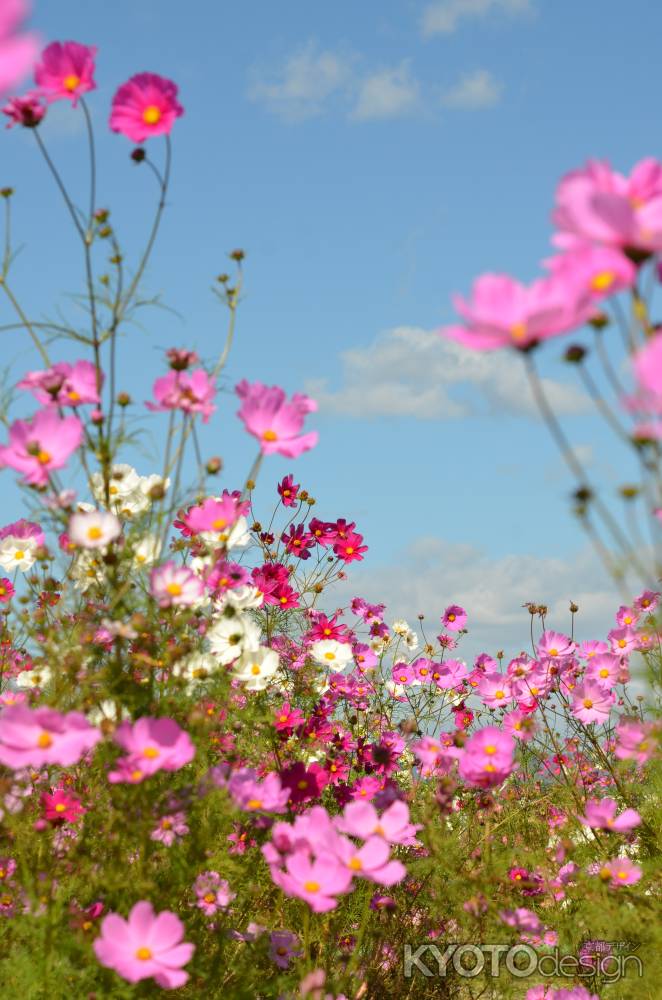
{"type": "Point", "coordinates": [443, 17]}
{"type": "Point", "coordinates": [474, 92]}
{"type": "Point", "coordinates": [390, 93]}
{"type": "Point", "coordinates": [305, 85]}
{"type": "Point", "coordinates": [411, 372]}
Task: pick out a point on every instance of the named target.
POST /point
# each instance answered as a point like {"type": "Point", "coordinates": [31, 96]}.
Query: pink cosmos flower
{"type": "Point", "coordinates": [502, 312]}
{"type": "Point", "coordinates": [487, 759]}
{"type": "Point", "coordinates": [93, 529]}
{"type": "Point", "coordinates": [37, 737]}
{"type": "Point", "coordinates": [522, 919]}
{"type": "Point", "coordinates": [317, 882]}
{"type": "Point", "coordinates": [145, 106]}
{"type": "Point", "coordinates": [275, 422]}
{"type": "Point", "coordinates": [60, 807]}
{"type": "Point", "coordinates": [520, 725]}
{"type": "Point", "coordinates": [454, 618]}
{"type": "Point", "coordinates": [190, 392]}
{"type": "Point", "coordinates": [213, 514]}
{"type": "Point", "coordinates": [600, 205]}
{"type": "Point", "coordinates": [361, 819]}
{"type": "Point", "coordinates": [600, 271]}
{"type": "Point", "coordinates": [17, 51]}
{"type": "Point", "coordinates": [145, 946]}
{"type": "Point", "coordinates": [173, 585]}
{"type": "Point", "coordinates": [258, 796]}
{"type": "Point", "coordinates": [66, 70]}
{"type": "Point", "coordinates": [284, 946]}
{"type": "Point", "coordinates": [591, 702]}
{"type": "Point", "coordinates": [647, 601]}
{"type": "Point", "coordinates": [494, 690]}
{"type": "Point", "coordinates": [601, 815]}
{"type": "Point", "coordinates": [448, 674]}
{"type": "Point", "coordinates": [213, 893]}
{"type": "Point", "coordinates": [6, 590]}
{"type": "Point", "coordinates": [635, 740]}
{"type": "Point", "coordinates": [152, 745]}
{"type": "Point", "coordinates": [27, 110]}
{"type": "Point", "coordinates": [170, 829]}
{"type": "Point", "coordinates": [288, 491]}
{"type": "Point", "coordinates": [554, 646]}
{"type": "Point", "coordinates": [38, 446]}
{"type": "Point", "coordinates": [351, 548]}
{"type": "Point", "coordinates": [620, 871]}
{"type": "Point", "coordinates": [64, 384]}
{"type": "Point", "coordinates": [605, 669]}
{"type": "Point", "coordinates": [370, 861]}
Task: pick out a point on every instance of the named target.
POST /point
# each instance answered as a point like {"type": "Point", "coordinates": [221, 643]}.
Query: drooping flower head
{"type": "Point", "coordinates": [275, 421]}
{"type": "Point", "coordinates": [145, 946]}
{"type": "Point", "coordinates": [27, 110]}
{"type": "Point", "coordinates": [145, 106]}
{"type": "Point", "coordinates": [66, 70]}
{"type": "Point", "coordinates": [40, 445]}
{"type": "Point", "coordinates": [17, 51]}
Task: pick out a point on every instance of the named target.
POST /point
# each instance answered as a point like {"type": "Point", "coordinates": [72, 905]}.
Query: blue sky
{"type": "Point", "coordinates": [371, 159]}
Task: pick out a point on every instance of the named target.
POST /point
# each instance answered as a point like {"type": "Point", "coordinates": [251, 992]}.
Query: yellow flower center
{"type": "Point", "coordinates": [355, 864]}
{"type": "Point", "coordinates": [329, 656]}
{"type": "Point", "coordinates": [621, 874]}
{"type": "Point", "coordinates": [269, 436]}
{"type": "Point", "coordinates": [70, 82]}
{"type": "Point", "coordinates": [94, 532]}
{"type": "Point", "coordinates": [174, 589]}
{"type": "Point", "coordinates": [144, 954]}
{"type": "Point", "coordinates": [60, 807]}
{"type": "Point", "coordinates": [349, 550]}
{"type": "Point", "coordinates": [490, 749]}
{"type": "Point", "coordinates": [254, 804]}
{"type": "Point", "coordinates": [136, 775]}
{"type": "Point", "coordinates": [604, 672]}
{"type": "Point", "coordinates": [602, 281]}
{"type": "Point", "coordinates": [152, 115]}
{"type": "Point", "coordinates": [44, 740]}
{"type": "Point", "coordinates": [19, 554]}
{"type": "Point", "coordinates": [209, 897]}
{"type": "Point", "coordinates": [518, 331]}
{"type": "Point", "coordinates": [219, 523]}
{"type": "Point", "coordinates": [587, 703]}
{"type": "Point", "coordinates": [490, 767]}
{"type": "Point", "coordinates": [554, 652]}
{"type": "Point", "coordinates": [451, 618]}
{"type": "Point", "coordinates": [43, 457]}
{"type": "Point", "coordinates": [255, 669]}
{"type": "Point", "coordinates": [150, 752]}
{"type": "Point", "coordinates": [499, 694]}
{"type": "Point", "coordinates": [311, 886]}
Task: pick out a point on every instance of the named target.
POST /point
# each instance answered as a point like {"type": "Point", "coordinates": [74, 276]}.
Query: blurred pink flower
{"type": "Point", "coordinates": [454, 618]}
{"type": "Point", "coordinates": [152, 745]}
{"type": "Point", "coordinates": [600, 271]}
{"type": "Point", "coordinates": [487, 758]}
{"type": "Point", "coordinates": [191, 392]}
{"type": "Point", "coordinates": [145, 946]}
{"type": "Point", "coordinates": [317, 882]}
{"type": "Point", "coordinates": [17, 51]}
{"type": "Point", "coordinates": [275, 421]}
{"type": "Point", "coordinates": [63, 384]}
{"type": "Point", "coordinates": [620, 871]}
{"type": "Point", "coordinates": [36, 737]}
{"type": "Point", "coordinates": [175, 585]}
{"type": "Point", "coordinates": [145, 106]}
{"type": "Point", "coordinates": [591, 702]}
{"type": "Point", "coordinates": [361, 819]}
{"type": "Point", "coordinates": [38, 446]}
{"type": "Point", "coordinates": [601, 815]}
{"type": "Point", "coordinates": [635, 740]}
{"type": "Point", "coordinates": [66, 70]}
{"type": "Point", "coordinates": [27, 110]}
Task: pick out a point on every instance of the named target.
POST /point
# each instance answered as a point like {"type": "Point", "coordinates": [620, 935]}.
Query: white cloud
{"type": "Point", "coordinates": [432, 573]}
{"type": "Point", "coordinates": [387, 94]}
{"type": "Point", "coordinates": [306, 83]}
{"type": "Point", "coordinates": [443, 17]}
{"type": "Point", "coordinates": [474, 92]}
{"type": "Point", "coordinates": [411, 372]}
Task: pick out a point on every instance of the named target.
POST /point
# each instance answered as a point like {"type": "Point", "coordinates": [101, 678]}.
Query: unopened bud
{"type": "Point", "coordinates": [214, 465]}
{"type": "Point", "coordinates": [123, 399]}
{"type": "Point", "coordinates": [6, 192]}
{"type": "Point", "coordinates": [575, 354]}
{"type": "Point", "coordinates": [237, 255]}
{"type": "Point", "coordinates": [138, 154]}
{"type": "Point", "coordinates": [574, 608]}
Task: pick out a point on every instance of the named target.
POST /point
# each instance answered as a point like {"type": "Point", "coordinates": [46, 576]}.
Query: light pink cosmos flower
{"type": "Point", "coordinates": [600, 271]}
{"type": "Point", "coordinates": [635, 740]}
{"type": "Point", "coordinates": [188, 391]}
{"type": "Point", "coordinates": [284, 946]}
{"type": "Point", "coordinates": [258, 796]}
{"type": "Point", "coordinates": [275, 421]}
{"type": "Point", "coordinates": [522, 919]}
{"type": "Point", "coordinates": [605, 669]}
{"type": "Point", "coordinates": [145, 106]}
{"type": "Point", "coordinates": [93, 529]}
{"type": "Point", "coordinates": [554, 646]}
{"type": "Point", "coordinates": [37, 737]}
{"type": "Point", "coordinates": [520, 725]}
{"type": "Point", "coordinates": [213, 893]}
{"type": "Point", "coordinates": [370, 861]}
{"type": "Point", "coordinates": [487, 759]}
{"type": "Point", "coordinates": [361, 819]}
{"type": "Point", "coordinates": [66, 70]}
{"type": "Point", "coordinates": [620, 871]}
{"type": "Point", "coordinates": [601, 815]}
{"type": "Point", "coordinates": [449, 674]}
{"type": "Point", "coordinates": [145, 946]}
{"type": "Point", "coordinates": [591, 702]}
{"type": "Point", "coordinates": [38, 446]}
{"type": "Point", "coordinates": [171, 584]}
{"type": "Point", "coordinates": [454, 618]}
{"type": "Point", "coordinates": [17, 51]}
{"type": "Point", "coordinates": [170, 829]}
{"type": "Point", "coordinates": [600, 205]}
{"type": "Point", "coordinates": [436, 755]}
{"type": "Point", "coordinates": [502, 312]}
{"type": "Point", "coordinates": [213, 515]}
{"type": "Point", "coordinates": [152, 745]}
{"type": "Point", "coordinates": [494, 690]}
{"type": "Point", "coordinates": [647, 601]}
{"type": "Point", "coordinates": [64, 384]}
{"type": "Point", "coordinates": [318, 882]}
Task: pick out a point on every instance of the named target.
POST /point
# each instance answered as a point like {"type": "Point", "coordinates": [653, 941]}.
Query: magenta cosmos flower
{"type": "Point", "coordinates": [65, 70]}
{"type": "Point", "coordinates": [600, 205]}
{"type": "Point", "coordinates": [40, 445]}
{"type": "Point", "coordinates": [145, 106]}
{"type": "Point", "coordinates": [37, 737]}
{"type": "Point", "coordinates": [502, 312]}
{"type": "Point", "coordinates": [152, 745]}
{"type": "Point", "coordinates": [275, 421]}
{"type": "Point", "coordinates": [175, 585]}
{"type": "Point", "coordinates": [191, 392]}
{"type": "Point", "coordinates": [27, 110]}
{"type": "Point", "coordinates": [17, 51]}
{"type": "Point", "coordinates": [146, 946]}
{"type": "Point", "coordinates": [63, 384]}
{"type": "Point", "coordinates": [454, 618]}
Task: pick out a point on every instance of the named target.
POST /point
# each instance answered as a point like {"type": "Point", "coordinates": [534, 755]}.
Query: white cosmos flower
{"type": "Point", "coordinates": [17, 553]}
{"type": "Point", "coordinates": [37, 678]}
{"type": "Point", "coordinates": [195, 668]}
{"type": "Point", "coordinates": [332, 654]}
{"type": "Point", "coordinates": [86, 571]}
{"type": "Point", "coordinates": [395, 690]}
{"type": "Point", "coordinates": [411, 640]}
{"type": "Point", "coordinates": [235, 537]}
{"type": "Point", "coordinates": [94, 529]}
{"type": "Point", "coordinates": [256, 668]}
{"type": "Point", "coordinates": [232, 635]}
{"type": "Point", "coordinates": [107, 711]}
{"type": "Point", "coordinates": [147, 551]}
{"type": "Point", "coordinates": [241, 598]}
{"type": "Point", "coordinates": [129, 492]}
{"type": "Point", "coordinates": [401, 627]}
